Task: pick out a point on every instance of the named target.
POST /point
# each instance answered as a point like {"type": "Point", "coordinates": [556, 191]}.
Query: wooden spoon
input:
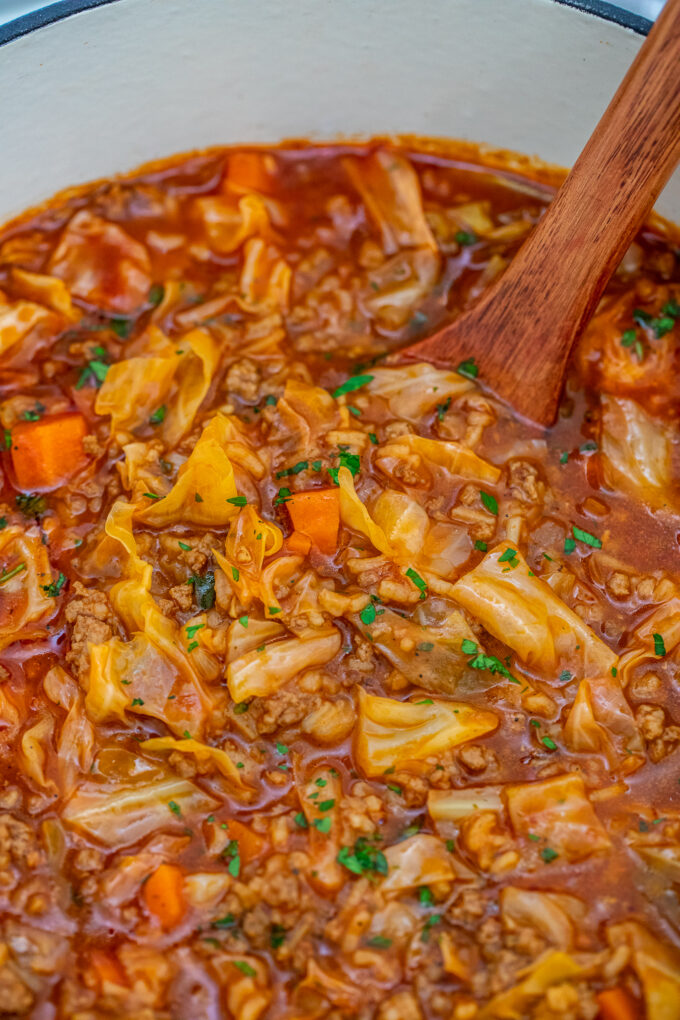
{"type": "Point", "coordinates": [521, 331]}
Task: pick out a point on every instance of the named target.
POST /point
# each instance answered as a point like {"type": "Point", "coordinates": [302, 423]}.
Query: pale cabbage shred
{"type": "Point", "coordinates": [284, 619]}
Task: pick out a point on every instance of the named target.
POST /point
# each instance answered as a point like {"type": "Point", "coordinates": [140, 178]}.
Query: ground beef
{"type": "Point", "coordinates": [243, 380]}
{"type": "Point", "coordinates": [477, 758]}
{"type": "Point", "coordinates": [16, 998]}
{"type": "Point", "coordinates": [285, 708]}
{"type": "Point", "coordinates": [18, 845]}
{"type": "Point", "coordinates": [93, 622]}
{"type": "Point", "coordinates": [183, 596]}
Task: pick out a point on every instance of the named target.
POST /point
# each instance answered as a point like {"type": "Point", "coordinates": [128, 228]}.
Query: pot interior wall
{"type": "Point", "coordinates": [104, 90]}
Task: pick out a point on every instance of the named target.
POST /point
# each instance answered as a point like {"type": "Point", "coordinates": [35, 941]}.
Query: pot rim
{"type": "Point", "coordinates": [28, 23]}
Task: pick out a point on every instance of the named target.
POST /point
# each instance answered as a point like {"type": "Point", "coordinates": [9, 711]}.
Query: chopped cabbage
{"type": "Point", "coordinates": [205, 756]}
{"type": "Point", "coordinates": [413, 390]}
{"type": "Point", "coordinates": [204, 484]}
{"type": "Point", "coordinates": [657, 966]}
{"type": "Point", "coordinates": [125, 814]}
{"type": "Point", "coordinates": [102, 264]}
{"type": "Point", "coordinates": [354, 514]}
{"type": "Point", "coordinates": [24, 605]}
{"type": "Point", "coordinates": [389, 189]}
{"type": "Point", "coordinates": [552, 915]}
{"type": "Point", "coordinates": [636, 452]}
{"type": "Point", "coordinates": [164, 374]}
{"type": "Point", "coordinates": [429, 657]}
{"type": "Point", "coordinates": [259, 673]}
{"type": "Point", "coordinates": [459, 460]}
{"type": "Point", "coordinates": [521, 610]}
{"type": "Point", "coordinates": [454, 805]}
{"type": "Point", "coordinates": [600, 719]}
{"type": "Point", "coordinates": [417, 861]}
{"type": "Point", "coordinates": [552, 968]}
{"type": "Point", "coordinates": [558, 810]}
{"type": "Point", "coordinates": [400, 734]}
{"type": "Point", "coordinates": [228, 225]}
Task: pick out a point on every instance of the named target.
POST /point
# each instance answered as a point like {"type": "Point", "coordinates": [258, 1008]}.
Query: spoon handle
{"type": "Point", "coordinates": [522, 330]}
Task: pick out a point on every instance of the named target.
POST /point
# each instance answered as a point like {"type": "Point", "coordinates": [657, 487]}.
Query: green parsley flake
{"type": "Point", "coordinates": [418, 581]}
{"type": "Point", "coordinates": [468, 368]}
{"type": "Point", "coordinates": [301, 465]}
{"type": "Point", "coordinates": [55, 587]}
{"type": "Point", "coordinates": [659, 646]}
{"type": "Point", "coordinates": [245, 968]}
{"type": "Point", "coordinates": [243, 620]}
{"type": "Point", "coordinates": [480, 546]}
{"type": "Point", "coordinates": [374, 439]}
{"type": "Point", "coordinates": [368, 614]}
{"type": "Point", "coordinates": [351, 461]}
{"type": "Point", "coordinates": [322, 825]}
{"type": "Point", "coordinates": [355, 382]}
{"type": "Point", "coordinates": [549, 855]}
{"type": "Point", "coordinates": [183, 545]}
{"type": "Point", "coordinates": [466, 238]}
{"type": "Point", "coordinates": [192, 629]}
{"type": "Point", "coordinates": [158, 417]}
{"type": "Point", "coordinates": [175, 808]}
{"type": "Point", "coordinates": [379, 942]}
{"type": "Point", "coordinates": [584, 536]}
{"type": "Point", "coordinates": [237, 500]}
{"type": "Point", "coordinates": [549, 743]}
{"type": "Point", "coordinates": [9, 574]}
{"type": "Point", "coordinates": [489, 502]}
{"type": "Point", "coordinates": [482, 661]}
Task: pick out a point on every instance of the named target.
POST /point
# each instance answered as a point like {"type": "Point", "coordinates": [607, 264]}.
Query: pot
{"type": "Point", "coordinates": [89, 88]}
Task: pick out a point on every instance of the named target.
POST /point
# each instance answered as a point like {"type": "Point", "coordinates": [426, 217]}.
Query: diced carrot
{"type": "Point", "coordinates": [250, 845]}
{"type": "Point", "coordinates": [316, 514]}
{"type": "Point", "coordinates": [298, 544]}
{"type": "Point", "coordinates": [617, 1004]}
{"type": "Point", "coordinates": [247, 171]}
{"type": "Point", "coordinates": [46, 453]}
{"type": "Point", "coordinates": [164, 896]}
{"type": "Point", "coordinates": [107, 968]}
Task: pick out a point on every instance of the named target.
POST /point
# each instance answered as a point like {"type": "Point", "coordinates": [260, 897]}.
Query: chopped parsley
{"type": "Point", "coordinates": [7, 575]}
{"type": "Point", "coordinates": [351, 461]}
{"type": "Point", "coordinates": [379, 942]}
{"type": "Point", "coordinates": [94, 371]}
{"type": "Point", "coordinates": [549, 743]}
{"type": "Point", "coordinates": [158, 417]}
{"type": "Point", "coordinates": [443, 408]}
{"type": "Point", "coordinates": [241, 708]}
{"type": "Point", "coordinates": [54, 588]}
{"type": "Point", "coordinates": [489, 502]}
{"type": "Point", "coordinates": [418, 581]}
{"type": "Point", "coordinates": [468, 368]}
{"type": "Point", "coordinates": [584, 536]}
{"type": "Point", "coordinates": [480, 546]}
{"type": "Point", "coordinates": [193, 628]}
{"type": "Point", "coordinates": [659, 646]}
{"type": "Point", "coordinates": [355, 382]}
{"type": "Point", "coordinates": [156, 294]}
{"type": "Point", "coordinates": [466, 237]}
{"type": "Point", "coordinates": [549, 855]}
{"type": "Point", "coordinates": [322, 825]}
{"type": "Point", "coordinates": [301, 465]}
{"type": "Point", "coordinates": [121, 327]}
{"type": "Point", "coordinates": [509, 556]}
{"type": "Point", "coordinates": [368, 614]}
{"type": "Point", "coordinates": [282, 496]}
{"type": "Point", "coordinates": [277, 936]}
{"type": "Point", "coordinates": [245, 968]}
{"type": "Point", "coordinates": [237, 500]}
{"type": "Point", "coordinates": [364, 858]}
{"type": "Point", "coordinates": [481, 661]}
{"type": "Point", "coordinates": [175, 808]}
{"type": "Point", "coordinates": [137, 701]}
{"type": "Point", "coordinates": [374, 439]}
{"type": "Point", "coordinates": [184, 546]}
{"type": "Point", "coordinates": [31, 505]}
{"type": "Point", "coordinates": [35, 414]}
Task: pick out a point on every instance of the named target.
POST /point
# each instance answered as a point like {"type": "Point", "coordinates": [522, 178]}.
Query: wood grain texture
{"type": "Point", "coordinates": [523, 328]}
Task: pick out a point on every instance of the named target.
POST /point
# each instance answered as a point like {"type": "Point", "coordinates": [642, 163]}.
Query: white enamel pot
{"type": "Point", "coordinates": [90, 88]}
